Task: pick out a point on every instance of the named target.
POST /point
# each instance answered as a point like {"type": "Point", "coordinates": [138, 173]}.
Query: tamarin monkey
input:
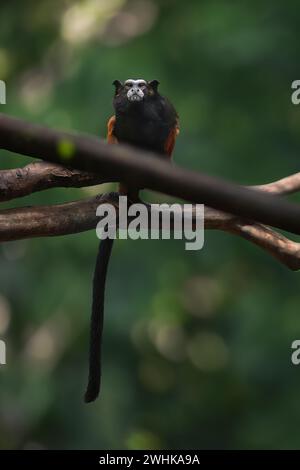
{"type": "Point", "coordinates": [147, 120]}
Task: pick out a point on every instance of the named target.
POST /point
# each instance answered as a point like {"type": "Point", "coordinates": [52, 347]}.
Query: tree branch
{"type": "Point", "coordinates": [47, 221]}
{"type": "Point", "coordinates": [38, 176]}
{"type": "Point", "coordinates": [75, 217]}
{"type": "Point", "coordinates": [136, 166]}
{"type": "Point", "coordinates": [288, 185]}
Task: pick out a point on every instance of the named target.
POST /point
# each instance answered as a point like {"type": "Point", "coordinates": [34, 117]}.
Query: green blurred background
{"type": "Point", "coordinates": [197, 345]}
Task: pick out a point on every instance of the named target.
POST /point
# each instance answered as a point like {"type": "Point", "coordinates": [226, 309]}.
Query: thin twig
{"type": "Point", "coordinates": [288, 185]}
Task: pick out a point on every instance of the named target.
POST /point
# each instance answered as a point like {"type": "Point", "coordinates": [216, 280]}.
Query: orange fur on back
{"type": "Point", "coordinates": [111, 138]}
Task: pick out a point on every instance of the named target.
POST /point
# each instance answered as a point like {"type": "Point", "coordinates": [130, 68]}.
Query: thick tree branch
{"type": "Point", "coordinates": [47, 221]}
{"type": "Point", "coordinates": [135, 166]}
{"type": "Point", "coordinates": [19, 182]}
{"type": "Point", "coordinates": [75, 217]}
{"type": "Point", "coordinates": [38, 176]}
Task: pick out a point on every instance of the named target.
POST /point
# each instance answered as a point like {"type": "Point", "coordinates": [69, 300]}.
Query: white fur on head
{"type": "Point", "coordinates": [135, 89]}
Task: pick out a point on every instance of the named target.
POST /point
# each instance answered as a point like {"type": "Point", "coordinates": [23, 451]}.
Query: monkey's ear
{"type": "Point", "coordinates": [154, 84]}
{"type": "Point", "coordinates": [117, 84]}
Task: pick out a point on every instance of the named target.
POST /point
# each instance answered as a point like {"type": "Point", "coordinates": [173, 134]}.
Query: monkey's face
{"type": "Point", "coordinates": [135, 91]}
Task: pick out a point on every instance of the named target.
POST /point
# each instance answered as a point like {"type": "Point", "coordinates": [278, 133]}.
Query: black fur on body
{"type": "Point", "coordinates": [146, 124]}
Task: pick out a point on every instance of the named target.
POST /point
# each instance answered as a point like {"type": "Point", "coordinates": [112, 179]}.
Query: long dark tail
{"type": "Point", "coordinates": [97, 317]}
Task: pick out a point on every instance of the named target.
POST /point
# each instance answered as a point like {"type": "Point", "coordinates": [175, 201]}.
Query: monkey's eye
{"type": "Point", "coordinates": [128, 85]}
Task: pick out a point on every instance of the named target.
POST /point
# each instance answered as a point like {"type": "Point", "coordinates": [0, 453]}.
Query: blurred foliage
{"type": "Point", "coordinates": [197, 344]}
